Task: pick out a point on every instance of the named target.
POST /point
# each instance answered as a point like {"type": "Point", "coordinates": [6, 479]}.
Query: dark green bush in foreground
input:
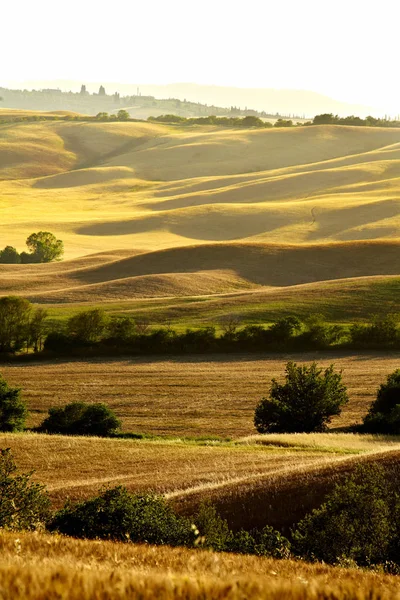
{"type": "Point", "coordinates": [359, 521]}
{"type": "Point", "coordinates": [384, 414]}
{"type": "Point", "coordinates": [304, 403]}
{"type": "Point", "coordinates": [23, 504]}
{"type": "Point", "coordinates": [79, 418]}
{"type": "Point", "coordinates": [118, 515]}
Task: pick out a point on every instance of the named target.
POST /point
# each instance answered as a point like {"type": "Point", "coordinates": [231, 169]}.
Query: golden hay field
{"type": "Point", "coordinates": [189, 395]}
{"type": "Point", "coordinates": [41, 566]}
{"type": "Point", "coordinates": [276, 480]}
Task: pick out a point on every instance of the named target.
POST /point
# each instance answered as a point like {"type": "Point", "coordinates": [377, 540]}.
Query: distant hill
{"type": "Point", "coordinates": [285, 102]}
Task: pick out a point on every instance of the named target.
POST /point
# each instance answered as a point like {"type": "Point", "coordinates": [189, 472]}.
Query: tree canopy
{"type": "Point", "coordinates": [45, 247]}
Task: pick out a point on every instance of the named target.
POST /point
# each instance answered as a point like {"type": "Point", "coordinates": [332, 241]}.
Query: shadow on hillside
{"type": "Point", "coordinates": [332, 222]}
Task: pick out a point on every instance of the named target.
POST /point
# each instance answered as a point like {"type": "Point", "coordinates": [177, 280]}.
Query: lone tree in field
{"type": "Point", "coordinates": [45, 247]}
{"type": "Point", "coordinates": [384, 413]}
{"type": "Point", "coordinates": [304, 403]}
{"type": "Point", "coordinates": [12, 408]}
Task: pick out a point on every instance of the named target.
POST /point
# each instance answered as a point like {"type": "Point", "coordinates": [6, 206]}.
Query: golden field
{"type": "Point", "coordinates": [189, 395]}
{"type": "Point", "coordinates": [41, 566]}
{"type": "Point", "coordinates": [171, 211]}
{"type": "Point", "coordinates": [252, 481]}
{"type": "Point", "coordinates": [189, 224]}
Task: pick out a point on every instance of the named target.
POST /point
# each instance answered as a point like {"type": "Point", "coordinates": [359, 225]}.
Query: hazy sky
{"type": "Point", "coordinates": [347, 49]}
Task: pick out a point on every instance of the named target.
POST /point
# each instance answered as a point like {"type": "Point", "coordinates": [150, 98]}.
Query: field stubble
{"type": "Point", "coordinates": [193, 395]}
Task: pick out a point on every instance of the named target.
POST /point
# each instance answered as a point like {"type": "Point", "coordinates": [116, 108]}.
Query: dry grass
{"type": "Point", "coordinates": [251, 483]}
{"type": "Point", "coordinates": [36, 566]}
{"type": "Point", "coordinates": [132, 185]}
{"type": "Point", "coordinates": [79, 467]}
{"type": "Point", "coordinates": [207, 269]}
{"type": "Point", "coordinates": [192, 395]}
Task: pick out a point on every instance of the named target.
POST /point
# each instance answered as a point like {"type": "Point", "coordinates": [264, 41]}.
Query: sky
{"type": "Point", "coordinates": [346, 49]}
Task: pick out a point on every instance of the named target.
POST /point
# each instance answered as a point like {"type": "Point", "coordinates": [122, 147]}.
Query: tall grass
{"type": "Point", "coordinates": [37, 566]}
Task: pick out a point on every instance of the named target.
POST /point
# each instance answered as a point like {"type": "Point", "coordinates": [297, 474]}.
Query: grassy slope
{"type": "Point", "coordinates": [36, 566]}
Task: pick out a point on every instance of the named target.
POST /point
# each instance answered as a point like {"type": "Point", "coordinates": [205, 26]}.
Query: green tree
{"type": "Point", "coordinates": [37, 329]}
{"type": "Point", "coordinates": [13, 411]}
{"type": "Point", "coordinates": [80, 418]}
{"type": "Point", "coordinates": [304, 403]}
{"type": "Point", "coordinates": [88, 326]}
{"type": "Point", "coordinates": [9, 256]}
{"type": "Point", "coordinates": [384, 413]}
{"type": "Point", "coordinates": [123, 115]}
{"type": "Point", "coordinates": [45, 247]}
{"type": "Point", "coordinates": [23, 504]}
{"type": "Point", "coordinates": [355, 522]}
{"type": "Point", "coordinates": [15, 314]}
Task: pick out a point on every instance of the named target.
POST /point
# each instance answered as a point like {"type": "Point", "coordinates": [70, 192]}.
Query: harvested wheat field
{"type": "Point", "coordinates": [252, 481]}
{"type": "Point", "coordinates": [189, 396]}
{"type": "Point", "coordinates": [37, 566]}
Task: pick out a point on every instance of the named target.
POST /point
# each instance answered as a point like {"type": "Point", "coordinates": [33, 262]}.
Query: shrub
{"type": "Point", "coordinates": [13, 410]}
{"type": "Point", "coordinates": [88, 326]}
{"type": "Point", "coordinates": [355, 523]}
{"type": "Point", "coordinates": [23, 504]}
{"type": "Point", "coordinates": [304, 403]}
{"type": "Point", "coordinates": [118, 515]}
{"type": "Point", "coordinates": [215, 534]}
{"type": "Point", "coordinates": [79, 418]}
{"type": "Point", "coordinates": [264, 542]}
{"type": "Point", "coordinates": [9, 256]}
{"type": "Point", "coordinates": [382, 332]}
{"type": "Point", "coordinates": [384, 413]}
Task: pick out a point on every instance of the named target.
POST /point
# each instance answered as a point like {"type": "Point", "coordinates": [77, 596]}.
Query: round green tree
{"type": "Point", "coordinates": [304, 403]}
{"type": "Point", "coordinates": [45, 247]}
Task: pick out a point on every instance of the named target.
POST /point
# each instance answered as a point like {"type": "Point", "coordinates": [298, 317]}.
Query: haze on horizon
{"type": "Point", "coordinates": [345, 50]}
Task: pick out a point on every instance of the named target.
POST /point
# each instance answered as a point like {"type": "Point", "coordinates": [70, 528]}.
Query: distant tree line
{"type": "Point", "coordinates": [330, 119]}
{"type": "Point", "coordinates": [94, 332]}
{"type": "Point", "coordinates": [249, 121]}
{"type": "Point", "coordinates": [43, 245]}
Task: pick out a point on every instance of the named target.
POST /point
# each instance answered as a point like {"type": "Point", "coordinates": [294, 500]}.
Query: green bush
{"type": "Point", "coordinates": [10, 256]}
{"type": "Point", "coordinates": [23, 504]}
{"type": "Point", "coordinates": [357, 522]}
{"type": "Point", "coordinates": [304, 403]}
{"type": "Point", "coordinates": [79, 418]}
{"type": "Point", "coordinates": [88, 326]}
{"type": "Point", "coordinates": [214, 533]}
{"type": "Point", "coordinates": [13, 410]}
{"type": "Point", "coordinates": [118, 515]}
{"type": "Point", "coordinates": [384, 413]}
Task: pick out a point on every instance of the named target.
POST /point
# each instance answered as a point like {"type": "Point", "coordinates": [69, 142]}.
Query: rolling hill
{"type": "Point", "coordinates": [157, 211]}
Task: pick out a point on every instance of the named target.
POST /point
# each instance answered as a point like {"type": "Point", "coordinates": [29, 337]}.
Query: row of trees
{"type": "Point", "coordinates": [23, 327]}
{"type": "Point", "coordinates": [331, 119]}
{"type": "Point", "coordinates": [43, 245]}
{"type": "Point", "coordinates": [248, 121]}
